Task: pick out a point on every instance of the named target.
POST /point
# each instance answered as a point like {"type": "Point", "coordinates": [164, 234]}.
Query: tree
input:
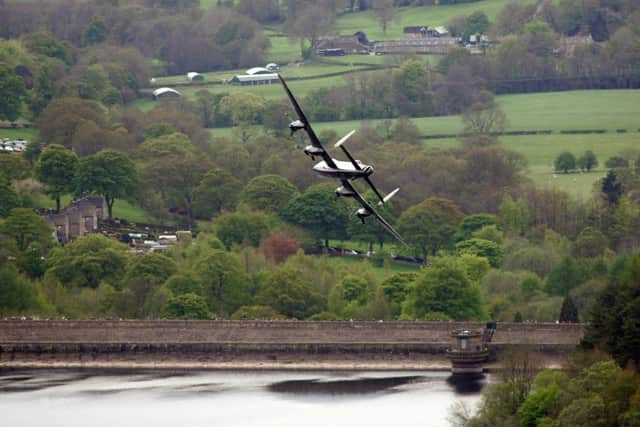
{"type": "Point", "coordinates": [279, 246]}
{"type": "Point", "coordinates": [565, 162]}
{"type": "Point", "coordinates": [13, 91]}
{"type": "Point", "coordinates": [14, 166]}
{"type": "Point", "coordinates": [96, 32]}
{"type": "Point", "coordinates": [569, 311]}
{"type": "Point", "coordinates": [612, 188]}
{"type": "Point", "coordinates": [483, 121]}
{"type": "Point", "coordinates": [289, 294]}
{"type": "Point", "coordinates": [617, 162]}
{"type": "Point", "coordinates": [430, 225]}
{"type": "Point", "coordinates": [62, 118]}
{"type": "Point", "coordinates": [218, 191]}
{"type": "Point", "coordinates": [309, 20]}
{"type": "Point", "coordinates": [566, 276]}
{"type": "Point", "coordinates": [395, 289]}
{"type": "Point", "coordinates": [587, 161]}
{"type": "Point", "coordinates": [472, 223]}
{"type": "Point", "coordinates": [269, 192]}
{"type": "Point", "coordinates": [239, 227]}
{"type": "Point", "coordinates": [384, 11]}
{"type": "Point", "coordinates": [443, 288]}
{"type": "Point", "coordinates": [616, 313]}
{"type": "Point", "coordinates": [56, 167]}
{"type": "Point", "coordinates": [482, 248]}
{"type": "Point", "coordinates": [253, 312]}
{"type": "Point", "coordinates": [590, 243]}
{"type": "Point", "coordinates": [16, 293]}
{"type": "Point", "coordinates": [225, 285]}
{"type": "Point", "coordinates": [476, 23]}
{"type": "Point", "coordinates": [187, 307]}
{"type": "Point", "coordinates": [109, 173]}
{"type": "Point", "coordinates": [28, 229]}
{"type": "Point", "coordinates": [88, 261]}
{"type": "Point", "coordinates": [8, 197]}
{"type": "Point", "coordinates": [319, 211]}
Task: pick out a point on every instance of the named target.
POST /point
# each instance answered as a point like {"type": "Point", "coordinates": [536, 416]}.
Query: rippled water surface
{"type": "Point", "coordinates": [138, 398]}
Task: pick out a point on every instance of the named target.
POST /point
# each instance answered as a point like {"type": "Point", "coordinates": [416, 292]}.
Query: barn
{"type": "Point", "coordinates": [165, 92]}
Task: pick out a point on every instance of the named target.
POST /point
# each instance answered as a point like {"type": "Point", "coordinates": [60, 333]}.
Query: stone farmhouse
{"type": "Point", "coordinates": [79, 218]}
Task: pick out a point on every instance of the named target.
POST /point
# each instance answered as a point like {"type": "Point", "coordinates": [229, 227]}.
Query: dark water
{"type": "Point", "coordinates": [230, 398]}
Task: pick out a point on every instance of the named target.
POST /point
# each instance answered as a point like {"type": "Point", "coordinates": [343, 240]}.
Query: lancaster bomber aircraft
{"type": "Point", "coordinates": [342, 170]}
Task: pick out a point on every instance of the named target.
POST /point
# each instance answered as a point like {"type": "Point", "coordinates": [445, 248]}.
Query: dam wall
{"type": "Point", "coordinates": [255, 342]}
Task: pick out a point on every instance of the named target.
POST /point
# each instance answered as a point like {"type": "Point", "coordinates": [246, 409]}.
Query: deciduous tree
{"type": "Point", "coordinates": [109, 173]}
{"type": "Point", "coordinates": [56, 167]}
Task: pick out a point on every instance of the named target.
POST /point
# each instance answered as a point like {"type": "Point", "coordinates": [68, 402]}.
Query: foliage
{"type": "Point", "coordinates": [289, 294]}
{"type": "Point", "coordinates": [587, 161]}
{"type": "Point", "coordinates": [590, 243]}
{"type": "Point", "coordinates": [109, 173]}
{"type": "Point", "coordinates": [218, 191]}
{"type": "Point", "coordinates": [472, 223]}
{"type": "Point", "coordinates": [514, 215]}
{"type": "Point", "coordinates": [430, 225]}
{"type": "Point", "coordinates": [566, 276]}
{"type": "Point", "coordinates": [28, 229]}
{"type": "Point", "coordinates": [56, 167]}
{"type": "Point", "coordinates": [225, 284]}
{"type": "Point", "coordinates": [13, 91]}
{"type": "Point", "coordinates": [16, 293]}
{"type": "Point", "coordinates": [279, 246]}
{"type": "Point", "coordinates": [186, 306]}
{"type": "Point", "coordinates": [482, 248]}
{"type": "Point", "coordinates": [445, 288]}
{"type": "Point", "coordinates": [616, 313]}
{"type": "Point", "coordinates": [14, 166]}
{"type": "Point", "coordinates": [88, 261]}
{"type": "Point", "coordinates": [269, 192]}
{"type": "Point", "coordinates": [242, 227]}
{"type": "Point", "coordinates": [8, 197]}
{"type": "Point", "coordinates": [569, 311]}
{"type": "Point", "coordinates": [612, 188]}
{"type": "Point", "coordinates": [251, 312]}
{"type": "Point", "coordinates": [565, 162]}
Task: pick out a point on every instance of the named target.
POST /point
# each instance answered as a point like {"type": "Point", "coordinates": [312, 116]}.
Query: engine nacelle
{"type": "Point", "coordinates": [362, 213]}
{"type": "Point", "coordinates": [312, 151]}
{"type": "Point", "coordinates": [296, 126]}
{"type": "Point", "coordinates": [344, 192]}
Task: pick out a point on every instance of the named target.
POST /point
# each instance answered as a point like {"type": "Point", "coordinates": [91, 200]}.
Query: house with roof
{"type": "Point", "coordinates": [353, 44]}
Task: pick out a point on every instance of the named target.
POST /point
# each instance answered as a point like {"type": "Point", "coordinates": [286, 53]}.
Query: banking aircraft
{"type": "Point", "coordinates": [342, 170]}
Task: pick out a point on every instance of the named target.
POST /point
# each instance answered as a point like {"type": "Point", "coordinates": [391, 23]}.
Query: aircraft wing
{"type": "Point", "coordinates": [307, 127]}
{"type": "Point", "coordinates": [367, 206]}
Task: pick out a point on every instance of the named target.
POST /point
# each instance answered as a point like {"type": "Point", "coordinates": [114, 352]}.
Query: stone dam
{"type": "Point", "coordinates": [264, 344]}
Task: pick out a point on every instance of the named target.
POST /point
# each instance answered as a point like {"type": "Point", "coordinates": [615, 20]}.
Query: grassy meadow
{"type": "Point", "coordinates": [366, 21]}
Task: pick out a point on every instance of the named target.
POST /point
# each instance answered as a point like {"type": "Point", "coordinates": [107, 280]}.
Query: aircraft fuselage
{"type": "Point", "coordinates": [344, 170]}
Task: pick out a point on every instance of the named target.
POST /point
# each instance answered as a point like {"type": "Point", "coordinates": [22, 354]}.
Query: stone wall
{"type": "Point", "coordinates": [276, 332]}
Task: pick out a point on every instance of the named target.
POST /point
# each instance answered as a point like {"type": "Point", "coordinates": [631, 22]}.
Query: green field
{"type": "Point", "coordinates": [23, 133]}
{"type": "Point", "coordinates": [413, 16]}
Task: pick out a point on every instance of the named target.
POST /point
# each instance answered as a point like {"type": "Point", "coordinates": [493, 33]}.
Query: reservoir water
{"type": "Point", "coordinates": [137, 398]}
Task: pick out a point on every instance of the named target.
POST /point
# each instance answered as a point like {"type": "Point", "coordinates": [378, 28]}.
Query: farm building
{"type": "Point", "coordinates": [165, 92]}
{"type": "Point", "coordinates": [356, 43]}
{"type": "Point", "coordinates": [427, 45]}
{"type": "Point", "coordinates": [258, 70]}
{"type": "Point", "coordinates": [425, 31]}
{"type": "Point", "coordinates": [195, 77]}
{"type": "Point", "coordinates": [254, 79]}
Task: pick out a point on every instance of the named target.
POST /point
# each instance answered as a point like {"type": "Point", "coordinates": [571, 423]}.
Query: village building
{"type": "Point", "coordinates": [165, 92]}
{"type": "Point", "coordinates": [79, 218]}
{"type": "Point", "coordinates": [425, 31]}
{"type": "Point", "coordinates": [333, 45]}
{"type": "Point", "coordinates": [425, 45]}
{"type": "Point", "coordinates": [254, 79]}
